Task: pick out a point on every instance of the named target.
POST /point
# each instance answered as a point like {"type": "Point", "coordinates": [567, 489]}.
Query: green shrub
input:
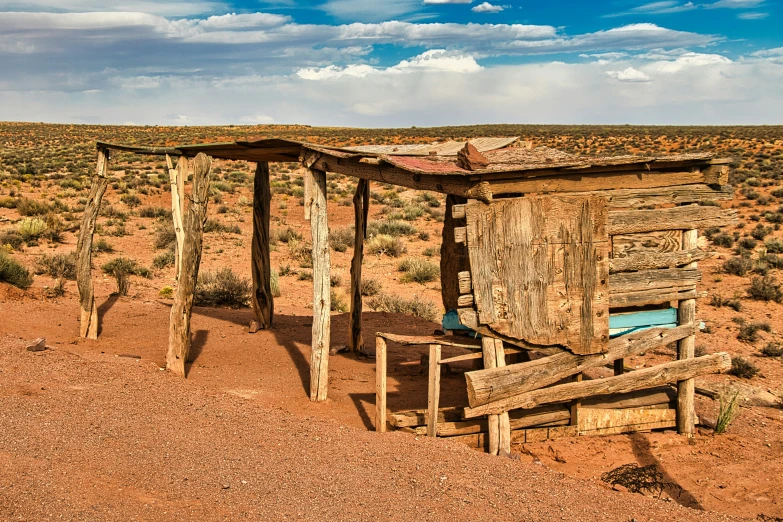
{"type": "Point", "coordinates": [390, 227]}
{"type": "Point", "coordinates": [739, 266]}
{"type": "Point", "coordinates": [341, 239]}
{"type": "Point", "coordinates": [58, 266]}
{"type": "Point", "coordinates": [386, 245]}
{"type": "Point", "coordinates": [31, 229]}
{"type": "Point", "coordinates": [774, 246]}
{"type": "Point", "coordinates": [153, 212]}
{"type": "Point", "coordinates": [760, 232]}
{"type": "Point", "coordinates": [274, 282]}
{"type": "Point", "coordinates": [284, 235]}
{"type": "Point", "coordinates": [749, 331]}
{"type": "Point", "coordinates": [12, 238]}
{"type": "Point", "coordinates": [401, 305]}
{"type": "Point", "coordinates": [166, 292]}
{"type": "Point", "coordinates": [132, 200]}
{"type": "Point", "coordinates": [765, 288]}
{"type": "Point", "coordinates": [222, 288]}
{"type": "Point", "coordinates": [727, 411]}
{"type": "Point", "coordinates": [742, 368]}
{"type": "Point", "coordinates": [747, 243]}
{"type": "Point", "coordinates": [772, 350]}
{"type": "Point", "coordinates": [337, 302]}
{"type": "Point", "coordinates": [163, 260]}
{"type": "Point", "coordinates": [102, 246]}
{"type": "Point", "coordinates": [31, 207]}
{"type": "Point", "coordinates": [13, 272]}
{"type": "Point", "coordinates": [418, 270]}
{"type": "Point", "coordinates": [370, 286]}
{"type": "Point", "coordinates": [121, 268]}
{"type": "Point", "coordinates": [723, 240]}
{"type": "Point", "coordinates": [165, 236]}
{"type": "Point", "coordinates": [213, 225]}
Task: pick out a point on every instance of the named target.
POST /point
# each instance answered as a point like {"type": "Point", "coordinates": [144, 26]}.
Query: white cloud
{"type": "Point", "coordinates": [441, 2]}
{"type": "Point", "coordinates": [436, 60]}
{"type": "Point", "coordinates": [629, 75]}
{"type": "Point", "coordinates": [157, 7]}
{"type": "Point", "coordinates": [369, 10]}
{"type": "Point", "coordinates": [752, 16]}
{"type": "Point", "coordinates": [734, 4]}
{"type": "Point", "coordinates": [689, 60]}
{"type": "Point", "coordinates": [486, 7]}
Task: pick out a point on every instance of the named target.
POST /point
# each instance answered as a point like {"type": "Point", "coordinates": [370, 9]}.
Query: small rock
{"type": "Point", "coordinates": [334, 350]}
{"type": "Point", "coordinates": [469, 158]}
{"type": "Point", "coordinates": [619, 487]}
{"type": "Point", "coordinates": [226, 486]}
{"type": "Point", "coordinates": [38, 345]}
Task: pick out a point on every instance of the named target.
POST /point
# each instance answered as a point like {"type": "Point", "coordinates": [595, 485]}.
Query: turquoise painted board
{"type": "Point", "coordinates": [644, 318]}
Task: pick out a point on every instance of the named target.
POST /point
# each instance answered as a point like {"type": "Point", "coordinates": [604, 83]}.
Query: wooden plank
{"type": "Point", "coordinates": [308, 194]}
{"type": "Point", "coordinates": [193, 227]}
{"type": "Point", "coordinates": [465, 286]}
{"type": "Point", "coordinates": [493, 421]}
{"type": "Point", "coordinates": [465, 300]}
{"type": "Point", "coordinates": [433, 390]}
{"type": "Point", "coordinates": [663, 317]}
{"type": "Point", "coordinates": [319, 356]}
{"type": "Point", "coordinates": [88, 311]}
{"type": "Point", "coordinates": [539, 270]}
{"type": "Point", "coordinates": [677, 218]}
{"type": "Point", "coordinates": [380, 384]}
{"type": "Point", "coordinates": [677, 195]}
{"type": "Point", "coordinates": [413, 418]}
{"type": "Point", "coordinates": [261, 266]}
{"type": "Point", "coordinates": [361, 208]}
{"type": "Point", "coordinates": [176, 179]}
{"type": "Point", "coordinates": [460, 235]}
{"type": "Point", "coordinates": [453, 258]}
{"type": "Point", "coordinates": [685, 351]}
{"type": "Point", "coordinates": [631, 428]}
{"type": "Point", "coordinates": [645, 378]}
{"type": "Point", "coordinates": [650, 261]}
{"type": "Point", "coordinates": [473, 356]}
{"type": "Point", "coordinates": [648, 397]}
{"type": "Point", "coordinates": [595, 421]}
{"type": "Point", "coordinates": [468, 317]}
{"type": "Point", "coordinates": [490, 385]}
{"type": "Point", "coordinates": [459, 341]}
{"type": "Point", "coordinates": [654, 279]}
{"type": "Point", "coordinates": [630, 180]}
{"type": "Point", "coordinates": [655, 296]}
{"type": "Point", "coordinates": [575, 404]}
{"type": "Point", "coordinates": [647, 243]}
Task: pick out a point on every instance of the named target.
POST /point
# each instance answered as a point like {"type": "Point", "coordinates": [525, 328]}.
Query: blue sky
{"type": "Point", "coordinates": [391, 63]}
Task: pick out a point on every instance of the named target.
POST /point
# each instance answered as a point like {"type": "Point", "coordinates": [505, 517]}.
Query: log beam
{"type": "Point", "coordinates": [179, 325]}
{"type": "Point", "coordinates": [361, 208]}
{"type": "Point", "coordinates": [494, 384]}
{"type": "Point", "coordinates": [261, 268]}
{"type": "Point", "coordinates": [88, 317]}
{"type": "Point", "coordinates": [499, 424]}
{"type": "Point", "coordinates": [319, 357]}
{"type": "Point", "coordinates": [686, 350]}
{"type": "Point", "coordinates": [646, 378]}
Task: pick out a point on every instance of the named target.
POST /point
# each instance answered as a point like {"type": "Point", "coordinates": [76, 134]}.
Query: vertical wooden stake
{"type": "Point", "coordinates": [88, 317]}
{"type": "Point", "coordinates": [263, 304]}
{"type": "Point", "coordinates": [361, 207]}
{"type": "Point", "coordinates": [179, 325]}
{"type": "Point", "coordinates": [433, 391]}
{"type": "Point", "coordinates": [177, 205]}
{"type": "Point", "coordinates": [686, 348]}
{"type": "Point", "coordinates": [619, 366]}
{"type": "Point", "coordinates": [380, 384]}
{"type": "Point", "coordinates": [319, 357]}
{"type": "Point", "coordinates": [499, 426]}
{"type": "Point", "coordinates": [576, 403]}
{"type": "Point", "coordinates": [308, 193]}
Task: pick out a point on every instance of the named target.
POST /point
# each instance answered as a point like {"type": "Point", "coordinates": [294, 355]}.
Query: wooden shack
{"type": "Point", "coordinates": [551, 264]}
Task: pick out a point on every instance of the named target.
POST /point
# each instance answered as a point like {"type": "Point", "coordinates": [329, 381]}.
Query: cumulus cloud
{"type": "Point", "coordinates": [690, 60]}
{"type": "Point", "coordinates": [157, 7]}
{"type": "Point", "coordinates": [629, 75]}
{"type": "Point", "coordinates": [436, 60]}
{"type": "Point", "coordinates": [486, 7]}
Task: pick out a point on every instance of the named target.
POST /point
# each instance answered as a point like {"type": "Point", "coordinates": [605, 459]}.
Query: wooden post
{"type": "Point", "coordinates": [380, 383]}
{"type": "Point", "coordinates": [88, 317]}
{"type": "Point", "coordinates": [576, 404]}
{"type": "Point", "coordinates": [179, 326]}
{"type": "Point", "coordinates": [319, 357]}
{"type": "Point", "coordinates": [433, 391]}
{"type": "Point", "coordinates": [686, 349]}
{"type": "Point", "coordinates": [263, 304]}
{"type": "Point", "coordinates": [308, 194]}
{"type": "Point", "coordinates": [499, 425]}
{"type": "Point", "coordinates": [361, 206]}
{"type": "Point", "coordinates": [176, 178]}
{"type": "Point", "coordinates": [619, 366]}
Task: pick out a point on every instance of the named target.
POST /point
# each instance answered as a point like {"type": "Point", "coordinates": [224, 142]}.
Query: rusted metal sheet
{"type": "Point", "coordinates": [540, 270]}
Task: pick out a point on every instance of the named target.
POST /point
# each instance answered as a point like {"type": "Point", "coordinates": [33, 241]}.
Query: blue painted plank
{"type": "Point", "coordinates": [644, 318]}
